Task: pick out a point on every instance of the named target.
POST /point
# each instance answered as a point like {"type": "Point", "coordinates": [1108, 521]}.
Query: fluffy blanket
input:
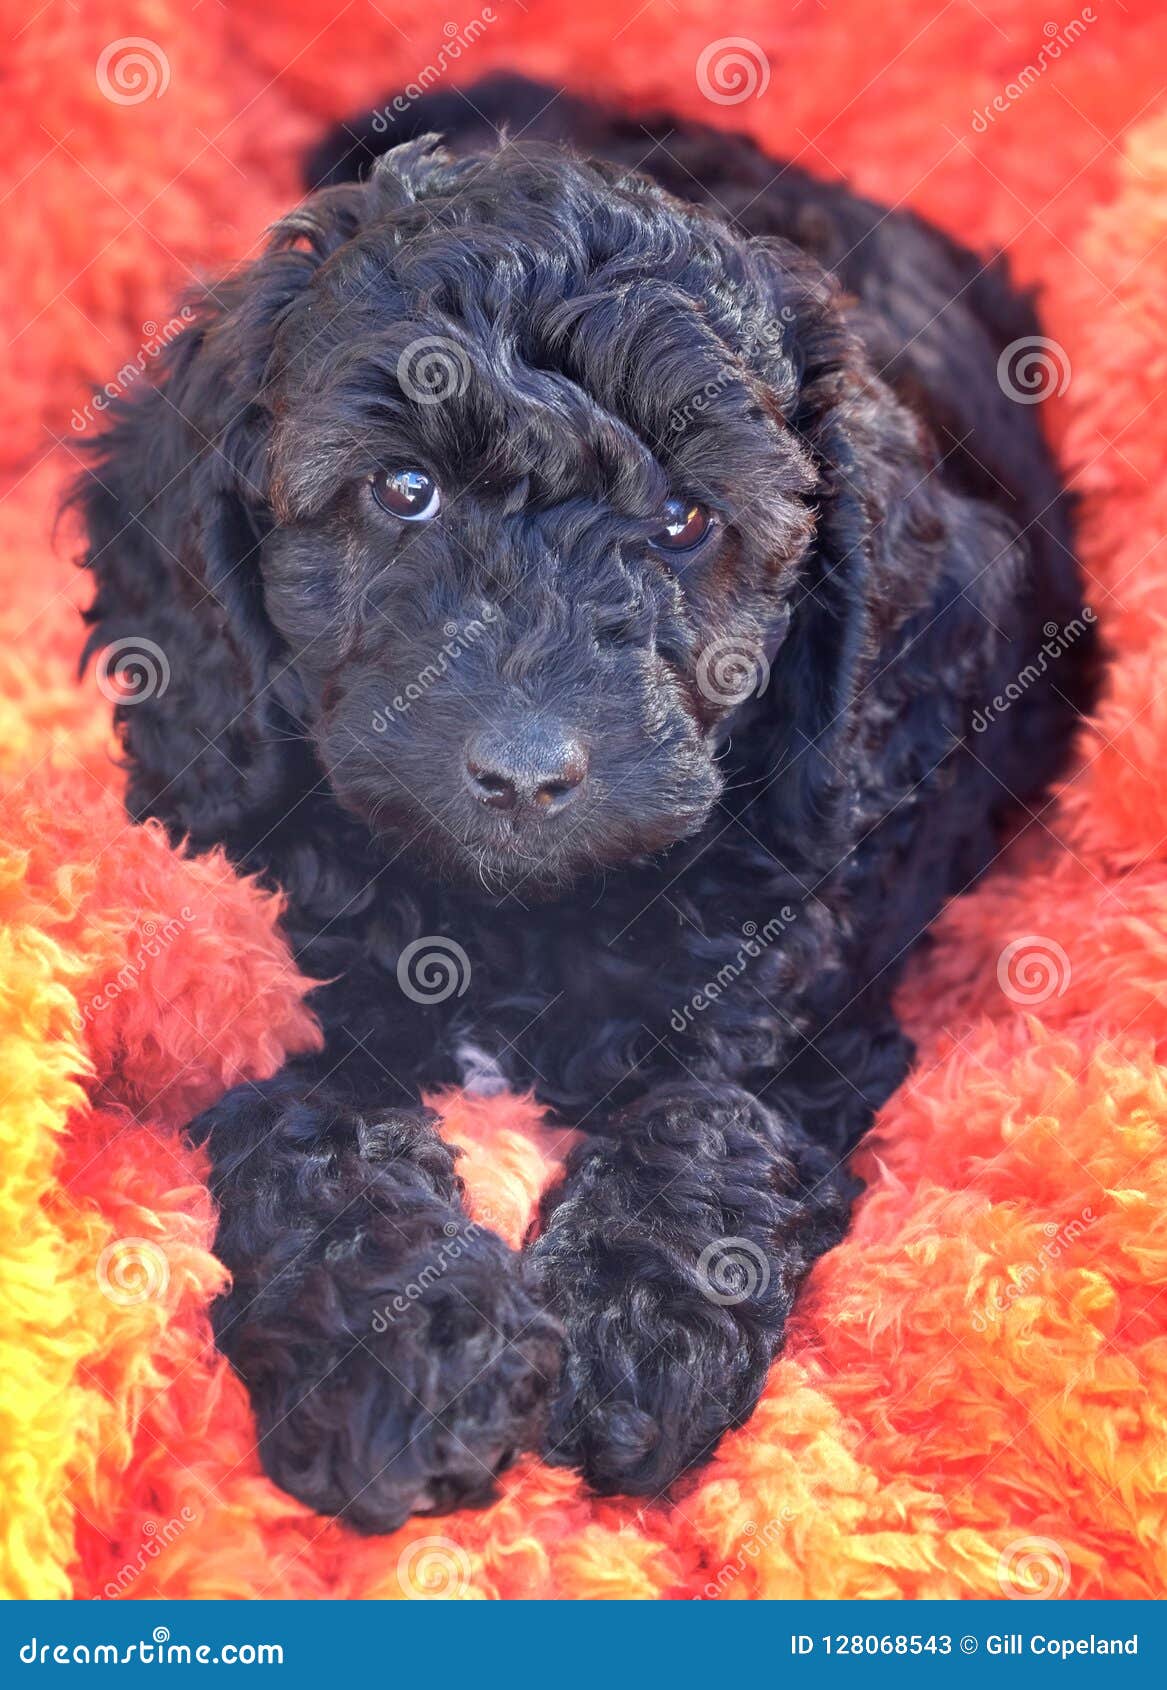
{"type": "Point", "coordinates": [973, 1402]}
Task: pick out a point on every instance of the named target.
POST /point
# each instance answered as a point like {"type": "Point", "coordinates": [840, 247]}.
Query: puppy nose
{"type": "Point", "coordinates": [536, 770]}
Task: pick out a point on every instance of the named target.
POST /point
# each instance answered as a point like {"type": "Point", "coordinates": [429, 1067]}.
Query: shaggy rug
{"type": "Point", "coordinates": [974, 1401]}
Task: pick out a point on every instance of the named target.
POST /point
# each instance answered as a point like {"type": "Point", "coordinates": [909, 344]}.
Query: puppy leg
{"type": "Point", "coordinates": [672, 1254]}
{"type": "Point", "coordinates": [394, 1357]}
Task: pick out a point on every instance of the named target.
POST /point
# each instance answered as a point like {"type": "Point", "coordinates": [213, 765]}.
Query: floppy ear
{"type": "Point", "coordinates": [176, 511]}
{"type": "Point", "coordinates": [832, 638]}
{"type": "Point", "coordinates": [885, 562]}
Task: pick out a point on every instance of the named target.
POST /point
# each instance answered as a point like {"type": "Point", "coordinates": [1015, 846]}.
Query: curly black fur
{"type": "Point", "coordinates": [692, 960]}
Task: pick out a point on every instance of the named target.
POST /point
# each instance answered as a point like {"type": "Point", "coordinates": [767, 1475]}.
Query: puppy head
{"type": "Point", "coordinates": [496, 477]}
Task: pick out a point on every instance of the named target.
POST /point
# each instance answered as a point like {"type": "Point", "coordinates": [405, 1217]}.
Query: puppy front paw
{"type": "Point", "coordinates": [404, 1394]}
{"type": "Point", "coordinates": [646, 1394]}
{"type": "Point", "coordinates": [386, 1390]}
{"type": "Point", "coordinates": [395, 1359]}
{"type": "Point", "coordinates": [671, 1254]}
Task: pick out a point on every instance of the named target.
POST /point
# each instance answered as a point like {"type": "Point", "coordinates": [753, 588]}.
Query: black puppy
{"type": "Point", "coordinates": [581, 577]}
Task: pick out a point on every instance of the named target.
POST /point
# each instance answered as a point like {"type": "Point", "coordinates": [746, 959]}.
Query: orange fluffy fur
{"type": "Point", "coordinates": [985, 1359]}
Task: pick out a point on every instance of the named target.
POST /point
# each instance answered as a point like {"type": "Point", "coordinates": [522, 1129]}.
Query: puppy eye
{"type": "Point", "coordinates": [408, 494]}
{"type": "Point", "coordinates": [685, 526]}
